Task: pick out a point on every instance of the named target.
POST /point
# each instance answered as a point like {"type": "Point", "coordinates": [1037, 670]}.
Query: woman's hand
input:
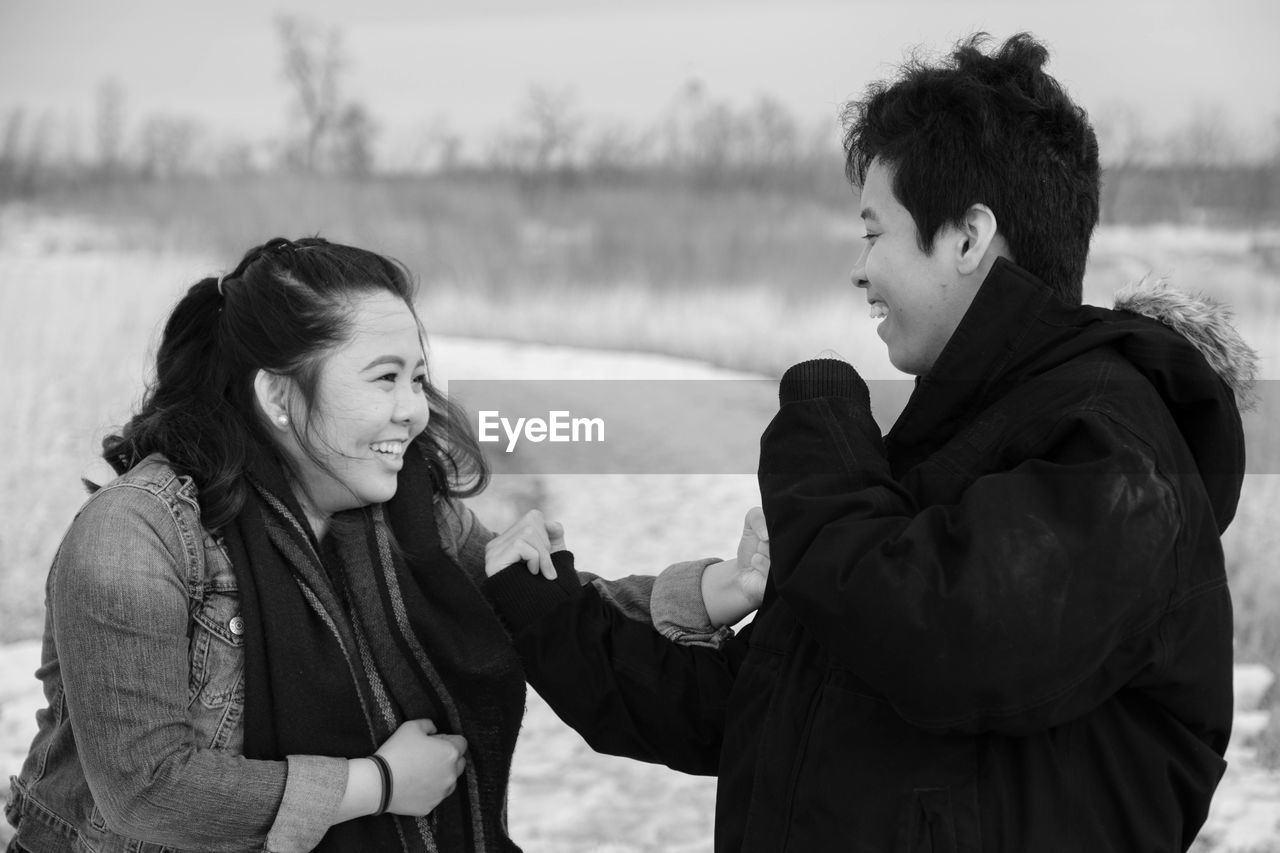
{"type": "Point", "coordinates": [425, 766]}
{"type": "Point", "coordinates": [531, 540]}
{"type": "Point", "coordinates": [753, 557]}
{"type": "Point", "coordinates": [734, 588]}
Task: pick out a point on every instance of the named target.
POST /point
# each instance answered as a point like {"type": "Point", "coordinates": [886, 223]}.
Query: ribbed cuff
{"type": "Point", "coordinates": [822, 377]}
{"type": "Point", "coordinates": [522, 598]}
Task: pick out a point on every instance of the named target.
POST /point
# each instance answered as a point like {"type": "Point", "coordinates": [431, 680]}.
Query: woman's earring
{"type": "Point", "coordinates": [283, 420]}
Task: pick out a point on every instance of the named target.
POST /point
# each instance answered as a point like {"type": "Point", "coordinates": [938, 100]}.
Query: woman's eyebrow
{"type": "Point", "coordinates": [392, 359]}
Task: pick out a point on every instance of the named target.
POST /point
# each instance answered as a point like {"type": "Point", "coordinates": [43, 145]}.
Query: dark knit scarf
{"type": "Point", "coordinates": [381, 626]}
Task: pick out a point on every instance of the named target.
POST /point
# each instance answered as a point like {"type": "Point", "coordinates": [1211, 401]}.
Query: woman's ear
{"type": "Point", "coordinates": [975, 238]}
{"type": "Point", "coordinates": [271, 390]}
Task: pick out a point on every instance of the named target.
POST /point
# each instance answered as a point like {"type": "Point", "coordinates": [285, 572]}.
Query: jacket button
{"type": "Point", "coordinates": [236, 625]}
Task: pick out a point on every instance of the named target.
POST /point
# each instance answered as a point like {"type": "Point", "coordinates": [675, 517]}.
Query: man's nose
{"type": "Point", "coordinates": [858, 275]}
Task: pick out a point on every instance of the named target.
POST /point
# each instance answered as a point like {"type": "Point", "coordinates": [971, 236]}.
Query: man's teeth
{"type": "Point", "coordinates": [394, 448]}
{"type": "Point", "coordinates": [878, 311]}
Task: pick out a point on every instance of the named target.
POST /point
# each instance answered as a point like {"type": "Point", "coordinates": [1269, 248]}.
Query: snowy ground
{"type": "Point", "coordinates": [567, 799]}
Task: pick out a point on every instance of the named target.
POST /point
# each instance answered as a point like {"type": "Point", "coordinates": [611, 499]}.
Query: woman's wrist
{"type": "Point", "coordinates": [722, 594]}
{"type": "Point", "coordinates": [364, 790]}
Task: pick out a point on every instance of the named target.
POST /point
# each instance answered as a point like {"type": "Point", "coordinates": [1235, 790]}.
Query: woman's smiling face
{"type": "Point", "coordinates": [370, 402]}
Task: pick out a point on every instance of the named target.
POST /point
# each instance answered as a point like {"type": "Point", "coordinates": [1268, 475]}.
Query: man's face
{"type": "Point", "coordinates": [920, 297]}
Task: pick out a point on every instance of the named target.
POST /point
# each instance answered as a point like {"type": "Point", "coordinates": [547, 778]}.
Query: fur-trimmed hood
{"type": "Point", "coordinates": [1205, 323]}
{"type": "Point", "coordinates": [1187, 347]}
{"type": "Point", "coordinates": [1184, 345]}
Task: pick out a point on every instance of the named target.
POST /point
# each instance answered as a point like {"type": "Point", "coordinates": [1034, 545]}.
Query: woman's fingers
{"type": "Point", "coordinates": [529, 554]}
{"type": "Point", "coordinates": [555, 533]}
{"type": "Point", "coordinates": [528, 541]}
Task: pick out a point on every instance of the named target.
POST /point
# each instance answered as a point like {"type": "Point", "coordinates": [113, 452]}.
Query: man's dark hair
{"type": "Point", "coordinates": [993, 129]}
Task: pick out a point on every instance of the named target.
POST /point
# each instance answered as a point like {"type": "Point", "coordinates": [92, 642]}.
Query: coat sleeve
{"type": "Point", "coordinates": [671, 601]}
{"type": "Point", "coordinates": [624, 687]}
{"type": "Point", "coordinates": [1019, 607]}
{"type": "Point", "coordinates": [119, 612]}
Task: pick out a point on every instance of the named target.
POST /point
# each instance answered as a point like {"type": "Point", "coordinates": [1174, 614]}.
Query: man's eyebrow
{"type": "Point", "coordinates": [391, 359]}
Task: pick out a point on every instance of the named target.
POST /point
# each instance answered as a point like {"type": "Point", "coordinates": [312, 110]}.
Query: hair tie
{"type": "Point", "coordinates": [388, 783]}
{"type": "Point", "coordinates": [221, 278]}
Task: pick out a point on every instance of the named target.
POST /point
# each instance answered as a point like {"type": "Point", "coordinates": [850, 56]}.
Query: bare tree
{"type": "Point", "coordinates": [505, 152]}
{"type": "Point", "coordinates": [1206, 140]}
{"type": "Point", "coordinates": [554, 127]}
{"type": "Point", "coordinates": [687, 104]}
{"type": "Point", "coordinates": [717, 143]}
{"type": "Point", "coordinates": [439, 146]}
{"type": "Point", "coordinates": [717, 140]}
{"type": "Point", "coordinates": [776, 134]}
{"type": "Point", "coordinates": [12, 161]}
{"type": "Point", "coordinates": [167, 146]}
{"type": "Point", "coordinates": [312, 64]}
{"type": "Point", "coordinates": [1125, 148]}
{"type": "Point", "coordinates": [615, 148]}
{"type": "Point", "coordinates": [109, 127]}
{"type": "Point", "coordinates": [1123, 139]}
{"type": "Point", "coordinates": [546, 140]}
{"type": "Point", "coordinates": [353, 135]}
{"type": "Point", "coordinates": [31, 152]}
{"type": "Point", "coordinates": [1205, 143]}
{"type": "Point", "coordinates": [235, 157]}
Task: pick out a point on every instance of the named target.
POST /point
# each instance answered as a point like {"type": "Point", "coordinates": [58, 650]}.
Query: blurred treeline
{"type": "Point", "coordinates": [700, 149]}
{"type": "Point", "coordinates": [1193, 174]}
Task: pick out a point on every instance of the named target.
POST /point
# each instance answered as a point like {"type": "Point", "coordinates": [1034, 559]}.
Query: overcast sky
{"type": "Point", "coordinates": [470, 64]}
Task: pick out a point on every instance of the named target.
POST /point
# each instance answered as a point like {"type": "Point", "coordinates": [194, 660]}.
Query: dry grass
{"type": "Point", "coordinates": [753, 286]}
{"type": "Point", "coordinates": [76, 331]}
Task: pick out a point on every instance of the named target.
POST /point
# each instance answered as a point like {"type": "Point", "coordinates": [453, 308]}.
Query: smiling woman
{"type": "Point", "coordinates": [202, 611]}
{"type": "Point", "coordinates": [370, 403]}
{"type": "Point", "coordinates": [268, 632]}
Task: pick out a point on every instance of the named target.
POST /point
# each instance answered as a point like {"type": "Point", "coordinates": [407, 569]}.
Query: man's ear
{"type": "Point", "coordinates": [975, 238]}
{"type": "Point", "coordinates": [271, 390]}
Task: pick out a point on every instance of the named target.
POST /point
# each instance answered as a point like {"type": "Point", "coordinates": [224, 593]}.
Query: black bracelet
{"type": "Point", "coordinates": [384, 770]}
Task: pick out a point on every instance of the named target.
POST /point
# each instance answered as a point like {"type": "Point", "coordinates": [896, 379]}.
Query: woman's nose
{"type": "Point", "coordinates": [412, 406]}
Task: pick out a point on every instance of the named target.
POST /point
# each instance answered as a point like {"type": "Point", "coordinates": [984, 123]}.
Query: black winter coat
{"type": "Point", "coordinates": [1005, 626]}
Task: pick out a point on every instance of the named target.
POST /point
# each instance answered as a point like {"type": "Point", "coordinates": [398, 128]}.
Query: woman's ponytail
{"type": "Point", "coordinates": [192, 410]}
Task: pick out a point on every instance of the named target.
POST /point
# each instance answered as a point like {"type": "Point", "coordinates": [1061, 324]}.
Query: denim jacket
{"type": "Point", "coordinates": [140, 746]}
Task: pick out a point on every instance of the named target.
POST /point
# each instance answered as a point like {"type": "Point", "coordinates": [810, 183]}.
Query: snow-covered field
{"type": "Point", "coordinates": [564, 797]}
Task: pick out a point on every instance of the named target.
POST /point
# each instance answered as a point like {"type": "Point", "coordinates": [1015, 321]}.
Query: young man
{"type": "Point", "coordinates": [1005, 625]}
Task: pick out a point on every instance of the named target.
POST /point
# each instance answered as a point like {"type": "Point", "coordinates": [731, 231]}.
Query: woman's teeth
{"type": "Point", "coordinates": [878, 311]}
{"type": "Point", "coordinates": [392, 448]}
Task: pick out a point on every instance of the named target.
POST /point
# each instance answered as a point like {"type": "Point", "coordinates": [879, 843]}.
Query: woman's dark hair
{"type": "Point", "coordinates": [987, 129]}
{"type": "Point", "coordinates": [281, 309]}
